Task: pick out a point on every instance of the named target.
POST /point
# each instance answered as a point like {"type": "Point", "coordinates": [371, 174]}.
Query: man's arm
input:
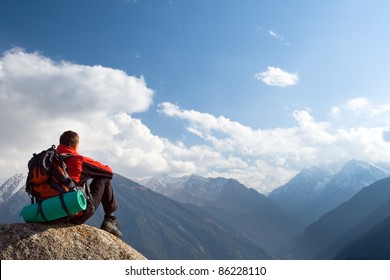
{"type": "Point", "coordinates": [93, 169]}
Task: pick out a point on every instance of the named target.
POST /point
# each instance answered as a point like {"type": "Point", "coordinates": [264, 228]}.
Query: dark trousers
{"type": "Point", "coordinates": [100, 191]}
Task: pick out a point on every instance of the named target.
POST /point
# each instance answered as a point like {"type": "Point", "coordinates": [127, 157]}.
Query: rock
{"type": "Point", "coordinates": [34, 241]}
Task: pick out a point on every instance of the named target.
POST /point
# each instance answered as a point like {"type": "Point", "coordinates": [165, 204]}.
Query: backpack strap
{"type": "Point", "coordinates": [40, 211]}
{"type": "Point", "coordinates": [61, 196]}
{"type": "Point", "coordinates": [65, 156]}
{"type": "Point", "coordinates": [64, 205]}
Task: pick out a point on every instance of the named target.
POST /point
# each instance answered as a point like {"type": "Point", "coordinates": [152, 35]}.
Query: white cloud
{"type": "Point", "coordinates": [357, 104]}
{"type": "Point", "coordinates": [41, 98]}
{"type": "Point", "coordinates": [274, 76]}
{"type": "Point", "coordinates": [335, 112]}
{"type": "Point", "coordinates": [360, 111]}
{"type": "Point", "coordinates": [270, 157]}
{"type": "Point", "coordinates": [275, 34]}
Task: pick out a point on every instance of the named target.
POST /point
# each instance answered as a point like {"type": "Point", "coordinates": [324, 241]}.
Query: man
{"type": "Point", "coordinates": [80, 169]}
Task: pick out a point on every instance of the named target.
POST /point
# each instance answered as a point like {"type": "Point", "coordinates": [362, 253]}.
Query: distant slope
{"type": "Point", "coordinates": [366, 225]}
{"type": "Point", "coordinates": [374, 245]}
{"type": "Point", "coordinates": [334, 225]}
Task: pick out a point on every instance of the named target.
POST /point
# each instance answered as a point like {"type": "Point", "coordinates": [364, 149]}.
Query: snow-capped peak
{"type": "Point", "coordinates": [11, 186]}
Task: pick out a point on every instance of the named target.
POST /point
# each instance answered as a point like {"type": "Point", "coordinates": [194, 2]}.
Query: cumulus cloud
{"type": "Point", "coordinates": [357, 104]}
{"type": "Point", "coordinates": [274, 76]}
{"type": "Point", "coordinates": [335, 112]}
{"type": "Point", "coordinates": [40, 98]}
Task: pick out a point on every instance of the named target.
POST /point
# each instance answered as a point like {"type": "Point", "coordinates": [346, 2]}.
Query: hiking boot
{"type": "Point", "coordinates": [110, 224]}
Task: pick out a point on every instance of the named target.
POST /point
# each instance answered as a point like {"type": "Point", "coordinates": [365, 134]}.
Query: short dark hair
{"type": "Point", "coordinates": [69, 138]}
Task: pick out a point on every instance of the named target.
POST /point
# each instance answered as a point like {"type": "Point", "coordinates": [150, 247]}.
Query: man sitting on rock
{"type": "Point", "coordinates": [80, 169]}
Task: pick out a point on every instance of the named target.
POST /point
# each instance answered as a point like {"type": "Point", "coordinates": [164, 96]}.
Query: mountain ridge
{"type": "Point", "coordinates": [311, 203]}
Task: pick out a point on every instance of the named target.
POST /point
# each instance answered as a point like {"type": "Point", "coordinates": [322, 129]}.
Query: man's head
{"type": "Point", "coordinates": [70, 138]}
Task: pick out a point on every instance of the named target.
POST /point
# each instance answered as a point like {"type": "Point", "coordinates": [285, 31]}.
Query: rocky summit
{"type": "Point", "coordinates": [62, 242]}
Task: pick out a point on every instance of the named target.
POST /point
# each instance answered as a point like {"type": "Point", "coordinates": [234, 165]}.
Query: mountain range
{"type": "Point", "coordinates": [193, 217]}
{"type": "Point", "coordinates": [315, 191]}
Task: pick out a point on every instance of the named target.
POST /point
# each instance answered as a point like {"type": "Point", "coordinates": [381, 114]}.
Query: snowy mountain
{"type": "Point", "coordinates": [163, 183]}
{"type": "Point", "coordinates": [11, 186]}
{"type": "Point", "coordinates": [198, 190]}
{"type": "Point", "coordinates": [191, 189]}
{"type": "Point", "coordinates": [353, 177]}
{"type": "Point", "coordinates": [314, 191]}
{"type": "Point", "coordinates": [299, 194]}
{"type": "Point", "coordinates": [13, 198]}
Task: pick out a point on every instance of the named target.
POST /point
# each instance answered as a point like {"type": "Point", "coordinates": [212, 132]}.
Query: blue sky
{"type": "Point", "coordinates": [253, 90]}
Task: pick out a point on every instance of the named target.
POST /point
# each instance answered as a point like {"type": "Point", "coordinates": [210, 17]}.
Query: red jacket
{"type": "Point", "coordinates": [81, 168]}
